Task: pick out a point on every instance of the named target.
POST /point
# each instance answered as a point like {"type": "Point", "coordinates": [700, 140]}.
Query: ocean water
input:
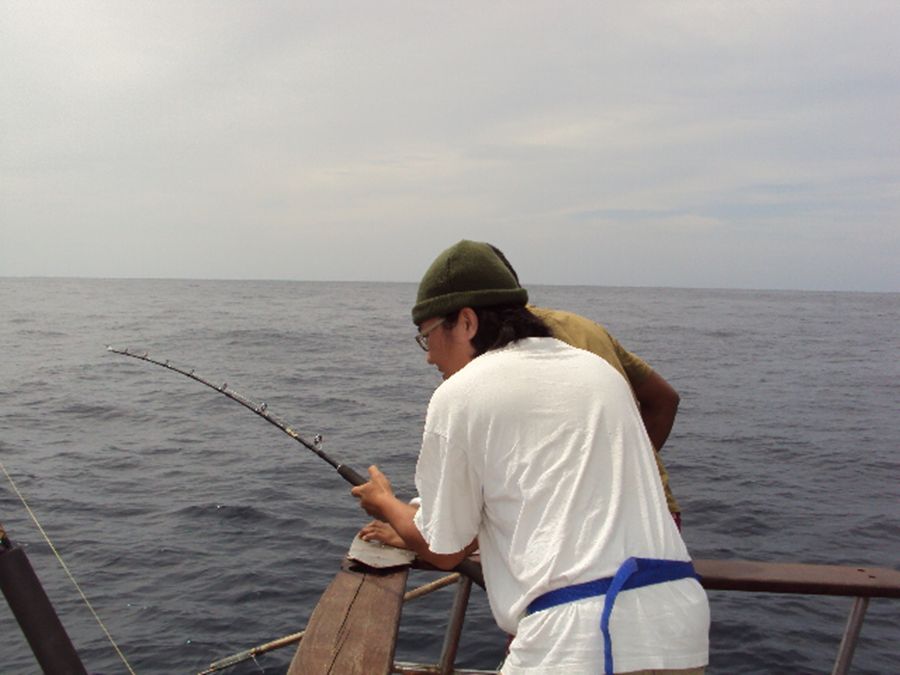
{"type": "Point", "coordinates": [198, 530]}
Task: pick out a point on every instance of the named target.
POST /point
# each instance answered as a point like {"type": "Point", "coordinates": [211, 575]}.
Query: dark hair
{"type": "Point", "coordinates": [499, 325]}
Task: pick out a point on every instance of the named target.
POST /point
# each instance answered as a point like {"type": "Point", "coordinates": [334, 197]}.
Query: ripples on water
{"type": "Point", "coordinates": [198, 530]}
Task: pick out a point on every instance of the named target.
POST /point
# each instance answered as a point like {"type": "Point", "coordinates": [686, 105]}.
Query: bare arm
{"type": "Point", "coordinates": [659, 403]}
{"type": "Point", "coordinates": [377, 498]}
{"type": "Point", "coordinates": [378, 530]}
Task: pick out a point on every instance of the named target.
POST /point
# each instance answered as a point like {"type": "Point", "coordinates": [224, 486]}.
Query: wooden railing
{"type": "Point", "coordinates": [354, 623]}
{"type": "Point", "coordinates": [860, 583]}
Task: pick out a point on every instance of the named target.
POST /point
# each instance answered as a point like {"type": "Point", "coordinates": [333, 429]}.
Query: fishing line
{"type": "Point", "coordinates": [66, 569]}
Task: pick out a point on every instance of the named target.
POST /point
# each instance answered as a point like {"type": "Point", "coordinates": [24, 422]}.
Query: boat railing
{"type": "Point", "coordinates": [860, 583]}
{"type": "Point", "coordinates": [354, 626]}
{"type": "Point", "coordinates": [857, 582]}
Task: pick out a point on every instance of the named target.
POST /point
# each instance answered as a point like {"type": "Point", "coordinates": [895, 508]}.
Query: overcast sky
{"type": "Point", "coordinates": [671, 143]}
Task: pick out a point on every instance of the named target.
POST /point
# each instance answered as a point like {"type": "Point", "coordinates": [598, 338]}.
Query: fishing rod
{"type": "Point", "coordinates": [260, 409]}
{"type": "Point", "coordinates": [468, 567]}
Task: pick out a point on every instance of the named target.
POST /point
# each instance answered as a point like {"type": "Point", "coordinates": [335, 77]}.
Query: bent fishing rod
{"type": "Point", "coordinates": [468, 567]}
{"type": "Point", "coordinates": [260, 409]}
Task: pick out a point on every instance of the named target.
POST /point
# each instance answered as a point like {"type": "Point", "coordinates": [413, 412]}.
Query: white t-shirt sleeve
{"type": "Point", "coordinates": [449, 485]}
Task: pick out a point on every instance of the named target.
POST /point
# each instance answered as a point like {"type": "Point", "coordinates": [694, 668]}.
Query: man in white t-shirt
{"type": "Point", "coordinates": [536, 451]}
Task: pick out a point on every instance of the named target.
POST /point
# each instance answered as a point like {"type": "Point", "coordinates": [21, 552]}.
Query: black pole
{"type": "Point", "coordinates": [32, 608]}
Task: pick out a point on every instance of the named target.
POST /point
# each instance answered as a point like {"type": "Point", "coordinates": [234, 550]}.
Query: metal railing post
{"type": "Point", "coordinates": [851, 635]}
{"type": "Point", "coordinates": [454, 626]}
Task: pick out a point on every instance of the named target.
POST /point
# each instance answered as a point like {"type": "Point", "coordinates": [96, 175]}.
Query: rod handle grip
{"type": "Point", "coordinates": [351, 476]}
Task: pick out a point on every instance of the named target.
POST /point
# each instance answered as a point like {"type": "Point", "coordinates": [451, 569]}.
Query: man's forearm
{"type": "Point", "coordinates": [659, 425]}
{"type": "Point", "coordinates": [658, 404]}
{"type": "Point", "coordinates": [400, 516]}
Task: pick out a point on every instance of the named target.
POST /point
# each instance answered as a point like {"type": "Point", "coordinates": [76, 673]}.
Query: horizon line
{"type": "Point", "coordinates": [25, 277]}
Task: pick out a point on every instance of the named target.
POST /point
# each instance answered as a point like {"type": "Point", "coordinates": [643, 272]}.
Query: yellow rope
{"type": "Point", "coordinates": [66, 568]}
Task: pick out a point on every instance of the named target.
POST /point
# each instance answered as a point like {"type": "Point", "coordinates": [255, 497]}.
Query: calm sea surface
{"type": "Point", "coordinates": [198, 530]}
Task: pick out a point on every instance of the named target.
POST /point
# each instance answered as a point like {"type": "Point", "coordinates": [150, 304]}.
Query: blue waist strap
{"type": "Point", "coordinates": [633, 573]}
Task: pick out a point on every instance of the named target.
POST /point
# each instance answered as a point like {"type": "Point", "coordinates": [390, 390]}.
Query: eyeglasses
{"type": "Point", "coordinates": [422, 336]}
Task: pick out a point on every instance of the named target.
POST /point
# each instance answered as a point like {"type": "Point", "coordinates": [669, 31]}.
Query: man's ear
{"type": "Point", "coordinates": [469, 320]}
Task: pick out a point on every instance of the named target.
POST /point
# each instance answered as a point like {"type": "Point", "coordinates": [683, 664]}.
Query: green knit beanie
{"type": "Point", "coordinates": [468, 274]}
